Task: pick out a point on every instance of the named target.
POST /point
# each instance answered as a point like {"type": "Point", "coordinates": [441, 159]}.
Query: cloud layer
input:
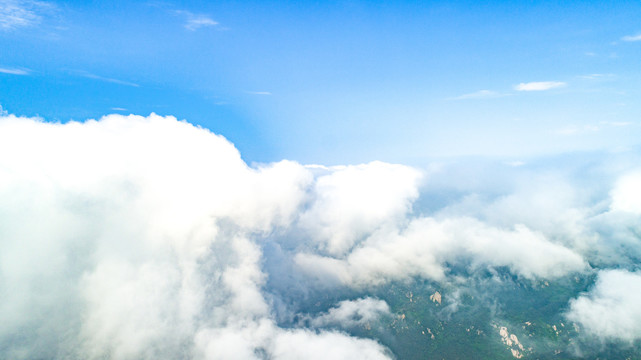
{"type": "Point", "coordinates": [138, 237]}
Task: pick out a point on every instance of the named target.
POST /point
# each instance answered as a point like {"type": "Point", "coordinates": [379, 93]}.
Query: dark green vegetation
{"type": "Point", "coordinates": [484, 315]}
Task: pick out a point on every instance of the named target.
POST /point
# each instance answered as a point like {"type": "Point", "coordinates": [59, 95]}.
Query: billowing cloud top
{"type": "Point", "coordinates": [130, 237]}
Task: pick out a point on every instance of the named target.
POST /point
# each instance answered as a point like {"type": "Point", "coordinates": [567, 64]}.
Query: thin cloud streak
{"type": "Point", "coordinates": [632, 38]}
{"type": "Point", "coordinates": [616, 123]}
{"type": "Point", "coordinates": [14, 71]}
{"type": "Point", "coordinates": [539, 85]}
{"type": "Point", "coordinates": [259, 92]}
{"type": "Point", "coordinates": [481, 94]}
{"type": "Point", "coordinates": [572, 130]}
{"type": "Point", "coordinates": [591, 128]}
{"type": "Point", "coordinates": [89, 75]}
{"type": "Point", "coordinates": [196, 21]}
{"type": "Point", "coordinates": [597, 76]}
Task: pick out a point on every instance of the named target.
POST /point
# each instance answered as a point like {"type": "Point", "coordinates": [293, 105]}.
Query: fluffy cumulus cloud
{"type": "Point", "coordinates": [610, 311]}
{"type": "Point", "coordinates": [264, 340]}
{"type": "Point", "coordinates": [350, 313]}
{"type": "Point", "coordinates": [137, 237]}
{"type": "Point", "coordinates": [352, 201]}
{"type": "Point", "coordinates": [626, 195]}
{"type": "Point", "coordinates": [367, 236]}
{"type": "Point", "coordinates": [426, 245]}
{"type": "Point", "coordinates": [133, 237]}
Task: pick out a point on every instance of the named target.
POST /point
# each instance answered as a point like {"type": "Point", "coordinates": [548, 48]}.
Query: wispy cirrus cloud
{"type": "Point", "coordinates": [21, 13]}
{"type": "Point", "coordinates": [12, 71]}
{"type": "Point", "coordinates": [89, 75]}
{"type": "Point", "coordinates": [192, 21]}
{"type": "Point", "coordinates": [195, 21]}
{"type": "Point", "coordinates": [631, 38]}
{"type": "Point", "coordinates": [515, 163]}
{"type": "Point", "coordinates": [258, 92]}
{"type": "Point", "coordinates": [616, 123]}
{"type": "Point", "coordinates": [591, 128]}
{"type": "Point", "coordinates": [199, 21]}
{"type": "Point", "coordinates": [539, 85]}
{"type": "Point", "coordinates": [14, 14]}
{"type": "Point", "coordinates": [575, 129]}
{"type": "Point", "coordinates": [481, 94]}
{"type": "Point", "coordinates": [597, 76]}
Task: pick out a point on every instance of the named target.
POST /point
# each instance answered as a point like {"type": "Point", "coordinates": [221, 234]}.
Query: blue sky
{"type": "Point", "coordinates": [339, 82]}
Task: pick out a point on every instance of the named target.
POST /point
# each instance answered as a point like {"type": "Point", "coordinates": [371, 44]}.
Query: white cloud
{"type": "Point", "coordinates": [133, 237]}
{"type": "Point", "coordinates": [632, 37]}
{"type": "Point", "coordinates": [295, 345]}
{"type": "Point", "coordinates": [14, 71]}
{"type": "Point", "coordinates": [351, 313]}
{"type": "Point", "coordinates": [539, 85]}
{"type": "Point", "coordinates": [351, 202]}
{"type": "Point", "coordinates": [626, 194]}
{"type": "Point", "coordinates": [426, 245]}
{"type": "Point", "coordinates": [610, 310]}
{"type": "Point", "coordinates": [554, 227]}
{"type": "Point", "coordinates": [262, 339]}
{"type": "Point", "coordinates": [144, 237]}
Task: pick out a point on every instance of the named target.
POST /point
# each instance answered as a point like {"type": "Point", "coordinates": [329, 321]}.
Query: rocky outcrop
{"type": "Point", "coordinates": [512, 341]}
{"type": "Point", "coordinates": [436, 297]}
